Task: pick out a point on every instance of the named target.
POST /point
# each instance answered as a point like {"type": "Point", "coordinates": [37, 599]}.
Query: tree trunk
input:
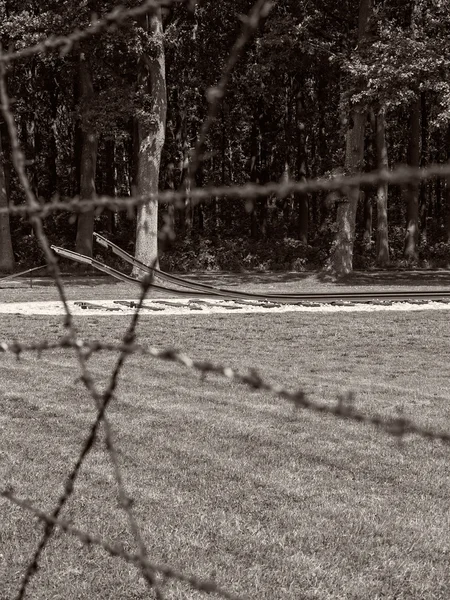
{"type": "Point", "coordinates": [412, 189]}
{"type": "Point", "coordinates": [447, 191]}
{"type": "Point", "coordinates": [367, 215]}
{"type": "Point", "coordinates": [88, 163]}
{"type": "Point", "coordinates": [302, 199]}
{"type": "Point", "coordinates": [382, 244]}
{"type": "Point", "coordinates": [110, 185]}
{"type": "Point", "coordinates": [342, 252]}
{"type": "Point", "coordinates": [7, 261]}
{"type": "Point", "coordinates": [52, 157]}
{"type": "Point", "coordinates": [151, 135]}
{"type": "Point", "coordinates": [425, 185]}
{"type": "Point", "coordinates": [325, 163]}
{"type": "Point", "coordinates": [254, 176]}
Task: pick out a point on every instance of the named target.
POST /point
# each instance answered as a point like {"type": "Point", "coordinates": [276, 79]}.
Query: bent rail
{"type": "Point", "coordinates": [351, 297]}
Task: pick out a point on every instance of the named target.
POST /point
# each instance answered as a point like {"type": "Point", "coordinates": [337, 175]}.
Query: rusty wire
{"type": "Point", "coordinates": [113, 19]}
{"type": "Point", "coordinates": [399, 176]}
{"type": "Point", "coordinates": [397, 426]}
{"type": "Point", "coordinates": [84, 349]}
{"type": "Point", "coordinates": [101, 400]}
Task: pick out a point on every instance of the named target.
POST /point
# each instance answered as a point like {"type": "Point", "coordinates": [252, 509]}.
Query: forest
{"type": "Point", "coordinates": [323, 88]}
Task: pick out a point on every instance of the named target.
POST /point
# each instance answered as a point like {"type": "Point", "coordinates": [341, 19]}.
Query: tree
{"type": "Point", "coordinates": [382, 244]}
{"type": "Point", "coordinates": [88, 161]}
{"type": "Point", "coordinates": [7, 261]}
{"type": "Point", "coordinates": [412, 189]}
{"type": "Point", "coordinates": [151, 126]}
{"type": "Point", "coordinates": [342, 257]}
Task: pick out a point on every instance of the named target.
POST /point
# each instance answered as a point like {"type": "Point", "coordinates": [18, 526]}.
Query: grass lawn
{"type": "Point", "coordinates": [230, 483]}
{"type": "Point", "coordinates": [98, 287]}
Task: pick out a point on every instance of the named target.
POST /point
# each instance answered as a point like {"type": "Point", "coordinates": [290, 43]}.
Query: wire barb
{"type": "Point", "coordinates": [36, 211]}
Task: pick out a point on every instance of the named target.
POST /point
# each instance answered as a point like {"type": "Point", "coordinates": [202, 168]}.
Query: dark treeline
{"type": "Point", "coordinates": [323, 88]}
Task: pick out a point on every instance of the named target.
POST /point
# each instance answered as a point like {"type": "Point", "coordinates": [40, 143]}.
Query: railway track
{"type": "Point", "coordinates": [191, 289]}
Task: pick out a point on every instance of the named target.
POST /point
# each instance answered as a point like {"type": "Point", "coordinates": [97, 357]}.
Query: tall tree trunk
{"type": "Point", "coordinates": [7, 261]}
{"type": "Point", "coordinates": [382, 244]}
{"type": "Point", "coordinates": [302, 199]}
{"type": "Point", "coordinates": [264, 176]}
{"type": "Point", "coordinates": [425, 185]}
{"type": "Point", "coordinates": [151, 136]}
{"type": "Point", "coordinates": [325, 163]}
{"type": "Point", "coordinates": [88, 163]}
{"type": "Point", "coordinates": [412, 189]}
{"type": "Point", "coordinates": [110, 185]}
{"type": "Point", "coordinates": [289, 145]}
{"type": "Point", "coordinates": [52, 156]}
{"type": "Point", "coordinates": [447, 191]}
{"type": "Point", "coordinates": [342, 252]}
{"type": "Point", "coordinates": [367, 215]}
{"type": "Point", "coordinates": [254, 175]}
{"type": "Point", "coordinates": [198, 212]}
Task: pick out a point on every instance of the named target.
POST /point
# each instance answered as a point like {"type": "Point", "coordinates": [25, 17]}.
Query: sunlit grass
{"type": "Point", "coordinates": [233, 483]}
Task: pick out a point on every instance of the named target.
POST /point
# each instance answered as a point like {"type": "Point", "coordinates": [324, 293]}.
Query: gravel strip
{"type": "Point", "coordinates": [179, 306]}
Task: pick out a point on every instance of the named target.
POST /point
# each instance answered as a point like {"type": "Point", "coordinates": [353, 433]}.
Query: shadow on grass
{"type": "Point", "coordinates": [386, 278]}
{"type": "Point", "coordinates": [417, 277]}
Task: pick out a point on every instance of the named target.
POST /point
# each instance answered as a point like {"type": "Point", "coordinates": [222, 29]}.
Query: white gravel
{"type": "Point", "coordinates": [183, 306]}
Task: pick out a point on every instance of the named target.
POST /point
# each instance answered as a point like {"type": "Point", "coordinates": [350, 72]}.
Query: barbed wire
{"type": "Point", "coordinates": [84, 350]}
{"type": "Point", "coordinates": [115, 18]}
{"type": "Point", "coordinates": [397, 426]}
{"type": "Point", "coordinates": [101, 400]}
{"type": "Point", "coordinates": [399, 176]}
{"type": "Point", "coordinates": [118, 551]}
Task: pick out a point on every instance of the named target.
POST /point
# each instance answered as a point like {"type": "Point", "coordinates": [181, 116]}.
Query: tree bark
{"type": "Point", "coordinates": [110, 186]}
{"type": "Point", "coordinates": [151, 126]}
{"type": "Point", "coordinates": [425, 185]}
{"type": "Point", "coordinates": [88, 163]}
{"type": "Point", "coordinates": [7, 261]}
{"type": "Point", "coordinates": [382, 244]}
{"type": "Point", "coordinates": [254, 175]}
{"type": "Point", "coordinates": [52, 157]}
{"type": "Point", "coordinates": [302, 199]}
{"type": "Point", "coordinates": [447, 191]}
{"type": "Point", "coordinates": [412, 189]}
{"type": "Point", "coordinates": [342, 252]}
{"type": "Point", "coordinates": [367, 215]}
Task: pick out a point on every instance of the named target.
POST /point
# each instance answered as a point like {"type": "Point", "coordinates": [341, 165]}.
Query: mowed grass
{"type": "Point", "coordinates": [230, 483]}
{"type": "Point", "coordinates": [97, 287]}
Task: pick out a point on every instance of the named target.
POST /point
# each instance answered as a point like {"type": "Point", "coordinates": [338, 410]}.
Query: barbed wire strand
{"type": "Point", "coordinates": [100, 401]}
{"type": "Point", "coordinates": [398, 426]}
{"type": "Point", "coordinates": [399, 176]}
{"type": "Point", "coordinates": [116, 18]}
{"type": "Point", "coordinates": [129, 337]}
{"type": "Point", "coordinates": [118, 551]}
{"type": "Point", "coordinates": [84, 350]}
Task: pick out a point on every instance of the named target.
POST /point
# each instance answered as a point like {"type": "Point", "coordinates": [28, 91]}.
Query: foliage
{"type": "Point", "coordinates": [285, 115]}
